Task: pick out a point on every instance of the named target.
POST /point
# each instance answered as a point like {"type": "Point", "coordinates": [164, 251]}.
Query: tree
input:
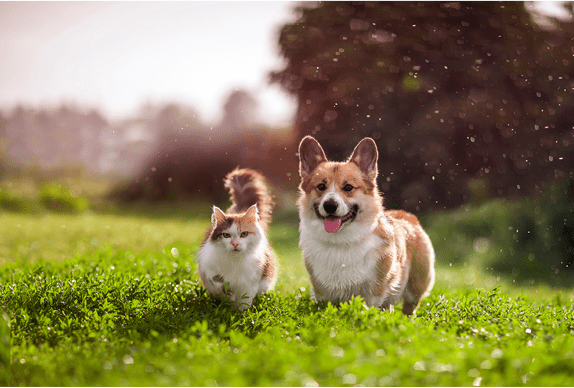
{"type": "Point", "coordinates": [190, 159]}
{"type": "Point", "coordinates": [239, 110]}
{"type": "Point", "coordinates": [3, 125]}
{"type": "Point", "coordinates": [451, 92]}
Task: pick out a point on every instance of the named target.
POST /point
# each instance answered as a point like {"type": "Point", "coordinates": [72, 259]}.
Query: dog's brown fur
{"type": "Point", "coordinates": [390, 244]}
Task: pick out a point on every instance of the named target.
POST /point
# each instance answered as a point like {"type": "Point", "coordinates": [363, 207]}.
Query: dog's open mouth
{"type": "Point", "coordinates": [333, 224]}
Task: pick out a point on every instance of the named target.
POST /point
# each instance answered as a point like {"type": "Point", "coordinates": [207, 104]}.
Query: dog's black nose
{"type": "Point", "coordinates": [330, 206]}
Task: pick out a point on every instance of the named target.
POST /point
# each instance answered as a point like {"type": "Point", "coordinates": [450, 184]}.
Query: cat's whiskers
{"type": "Point", "coordinates": [236, 258]}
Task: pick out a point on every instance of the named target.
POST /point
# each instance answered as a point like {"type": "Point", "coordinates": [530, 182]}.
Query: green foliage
{"type": "Point", "coordinates": [4, 348]}
{"type": "Point", "coordinates": [528, 241]}
{"type": "Point", "coordinates": [478, 191]}
{"type": "Point", "coordinates": [29, 196]}
{"type": "Point", "coordinates": [117, 319]}
{"type": "Point", "coordinates": [116, 301]}
{"type": "Point", "coordinates": [59, 198]}
{"type": "Point", "coordinates": [11, 202]}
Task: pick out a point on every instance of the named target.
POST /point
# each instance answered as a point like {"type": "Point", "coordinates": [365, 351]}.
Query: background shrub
{"type": "Point", "coordinates": [528, 240]}
{"type": "Point", "coordinates": [11, 202]}
{"type": "Point", "coordinates": [56, 197]}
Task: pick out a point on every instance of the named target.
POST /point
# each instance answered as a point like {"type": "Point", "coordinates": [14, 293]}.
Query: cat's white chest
{"type": "Point", "coordinates": [240, 269]}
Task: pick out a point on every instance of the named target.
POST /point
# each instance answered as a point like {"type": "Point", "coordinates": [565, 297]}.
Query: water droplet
{"type": "Point", "coordinates": [496, 353]}
{"type": "Point", "coordinates": [420, 365]}
{"type": "Point", "coordinates": [128, 360]}
{"type": "Point", "coordinates": [349, 378]}
{"type": "Point", "coordinates": [337, 352]}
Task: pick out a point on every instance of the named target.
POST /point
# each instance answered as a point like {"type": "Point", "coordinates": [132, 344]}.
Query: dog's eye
{"type": "Point", "coordinates": [244, 234]}
{"type": "Point", "coordinates": [321, 187]}
{"type": "Point", "coordinates": [348, 188]}
{"type": "Point", "coordinates": [225, 235]}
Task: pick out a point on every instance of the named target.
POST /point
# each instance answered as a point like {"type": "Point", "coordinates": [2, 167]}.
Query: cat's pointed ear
{"type": "Point", "coordinates": [218, 216]}
{"type": "Point", "coordinates": [252, 214]}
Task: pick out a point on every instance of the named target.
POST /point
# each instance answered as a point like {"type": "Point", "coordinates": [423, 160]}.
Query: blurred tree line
{"type": "Point", "coordinates": [166, 152]}
{"type": "Point", "coordinates": [65, 136]}
{"type": "Point", "coordinates": [465, 100]}
{"type": "Point", "coordinates": [190, 159]}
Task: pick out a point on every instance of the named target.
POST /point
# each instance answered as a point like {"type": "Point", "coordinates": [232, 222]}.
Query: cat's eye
{"type": "Point", "coordinates": [226, 235]}
{"type": "Point", "coordinates": [321, 187]}
{"type": "Point", "coordinates": [244, 234]}
{"type": "Point", "coordinates": [348, 188]}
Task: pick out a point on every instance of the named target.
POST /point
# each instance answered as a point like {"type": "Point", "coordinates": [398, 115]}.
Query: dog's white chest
{"type": "Point", "coordinates": [342, 268]}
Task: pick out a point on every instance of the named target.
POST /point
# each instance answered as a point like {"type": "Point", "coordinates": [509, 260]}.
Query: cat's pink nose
{"type": "Point", "coordinates": [235, 244]}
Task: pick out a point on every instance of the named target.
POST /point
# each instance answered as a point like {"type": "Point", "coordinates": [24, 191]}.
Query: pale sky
{"type": "Point", "coordinates": [117, 56]}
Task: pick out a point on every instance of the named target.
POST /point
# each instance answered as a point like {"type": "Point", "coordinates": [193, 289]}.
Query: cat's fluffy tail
{"type": "Point", "coordinates": [247, 188]}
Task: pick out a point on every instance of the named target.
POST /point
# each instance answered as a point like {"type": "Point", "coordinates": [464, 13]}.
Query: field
{"type": "Point", "coordinates": [113, 298]}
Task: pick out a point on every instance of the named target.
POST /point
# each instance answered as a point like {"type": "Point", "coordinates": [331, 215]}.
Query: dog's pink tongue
{"type": "Point", "coordinates": [332, 224]}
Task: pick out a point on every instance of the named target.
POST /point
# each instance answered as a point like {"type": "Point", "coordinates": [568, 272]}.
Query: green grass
{"type": "Point", "coordinates": [114, 299]}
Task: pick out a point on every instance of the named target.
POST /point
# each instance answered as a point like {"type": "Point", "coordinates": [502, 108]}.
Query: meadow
{"type": "Point", "coordinates": [111, 298]}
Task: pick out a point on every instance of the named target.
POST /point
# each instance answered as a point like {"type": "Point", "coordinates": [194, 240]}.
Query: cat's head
{"type": "Point", "coordinates": [236, 232]}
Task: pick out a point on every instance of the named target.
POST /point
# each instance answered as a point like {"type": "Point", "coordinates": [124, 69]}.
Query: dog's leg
{"type": "Point", "coordinates": [409, 303]}
{"type": "Point", "coordinates": [421, 276]}
{"type": "Point", "coordinates": [318, 294]}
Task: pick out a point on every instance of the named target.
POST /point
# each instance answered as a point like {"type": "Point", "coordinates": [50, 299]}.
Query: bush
{"type": "Point", "coordinates": [557, 227]}
{"type": "Point", "coordinates": [529, 239]}
{"type": "Point", "coordinates": [5, 344]}
{"type": "Point", "coordinates": [58, 198]}
{"type": "Point", "coordinates": [11, 202]}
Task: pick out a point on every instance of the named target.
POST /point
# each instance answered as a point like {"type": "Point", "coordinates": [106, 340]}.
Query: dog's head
{"type": "Point", "coordinates": [338, 193]}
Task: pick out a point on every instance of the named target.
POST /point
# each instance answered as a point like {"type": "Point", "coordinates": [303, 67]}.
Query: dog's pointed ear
{"type": "Point", "coordinates": [310, 155]}
{"type": "Point", "coordinates": [365, 156]}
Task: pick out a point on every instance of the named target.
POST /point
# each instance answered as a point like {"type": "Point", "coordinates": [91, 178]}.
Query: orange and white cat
{"type": "Point", "coordinates": [235, 259]}
{"type": "Point", "coordinates": [351, 244]}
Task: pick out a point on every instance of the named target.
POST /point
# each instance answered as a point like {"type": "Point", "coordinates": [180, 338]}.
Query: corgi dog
{"type": "Point", "coordinates": [351, 244]}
